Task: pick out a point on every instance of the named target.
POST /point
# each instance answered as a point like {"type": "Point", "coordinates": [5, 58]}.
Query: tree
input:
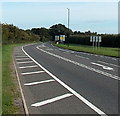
{"type": "Point", "coordinates": [59, 29]}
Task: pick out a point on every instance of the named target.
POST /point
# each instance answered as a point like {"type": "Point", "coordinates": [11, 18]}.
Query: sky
{"type": "Point", "coordinates": [101, 17]}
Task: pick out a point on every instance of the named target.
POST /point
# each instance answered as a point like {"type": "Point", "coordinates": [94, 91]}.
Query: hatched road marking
{"type": "Point", "coordinates": [24, 62]}
{"type": "Point", "coordinates": [51, 100]}
{"type": "Point", "coordinates": [29, 66]}
{"type": "Point", "coordinates": [29, 73]}
{"type": "Point", "coordinates": [41, 82]}
{"type": "Point", "coordinates": [23, 59]}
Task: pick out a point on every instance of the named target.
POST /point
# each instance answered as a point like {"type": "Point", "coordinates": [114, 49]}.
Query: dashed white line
{"type": "Point", "coordinates": [68, 88]}
{"type": "Point", "coordinates": [51, 100]}
{"type": "Point", "coordinates": [28, 73]}
{"type": "Point", "coordinates": [24, 62]}
{"type": "Point", "coordinates": [81, 65]}
{"type": "Point", "coordinates": [41, 82]}
{"type": "Point", "coordinates": [29, 66]}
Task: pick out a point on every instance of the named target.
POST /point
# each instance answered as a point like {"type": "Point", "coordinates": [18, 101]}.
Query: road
{"type": "Point", "coordinates": [59, 81]}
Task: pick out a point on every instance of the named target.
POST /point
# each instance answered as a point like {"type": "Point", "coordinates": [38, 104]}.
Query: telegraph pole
{"type": "Point", "coordinates": [68, 24]}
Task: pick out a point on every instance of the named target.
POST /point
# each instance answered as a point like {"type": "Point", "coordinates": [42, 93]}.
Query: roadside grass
{"type": "Point", "coordinates": [89, 49]}
{"type": "Point", "coordinates": [10, 91]}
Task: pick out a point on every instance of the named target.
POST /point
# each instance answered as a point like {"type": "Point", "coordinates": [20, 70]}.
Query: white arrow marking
{"type": "Point", "coordinates": [104, 67]}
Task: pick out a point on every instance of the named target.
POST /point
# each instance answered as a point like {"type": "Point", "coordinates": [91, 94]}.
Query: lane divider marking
{"type": "Point", "coordinates": [81, 65]}
{"type": "Point", "coordinates": [29, 73]}
{"type": "Point", "coordinates": [41, 82]}
{"type": "Point", "coordinates": [51, 100]}
{"type": "Point", "coordinates": [92, 106]}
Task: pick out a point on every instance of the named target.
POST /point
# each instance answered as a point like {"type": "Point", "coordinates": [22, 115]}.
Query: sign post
{"type": "Point", "coordinates": [95, 41]}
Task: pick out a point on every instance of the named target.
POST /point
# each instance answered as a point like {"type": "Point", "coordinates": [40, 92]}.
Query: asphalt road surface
{"type": "Point", "coordinates": [59, 81]}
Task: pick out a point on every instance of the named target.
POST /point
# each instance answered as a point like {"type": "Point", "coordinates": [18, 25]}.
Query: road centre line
{"type": "Point", "coordinates": [51, 100]}
{"type": "Point", "coordinates": [81, 65]}
{"type": "Point", "coordinates": [92, 106]}
{"type": "Point", "coordinates": [29, 66]}
{"type": "Point", "coordinates": [23, 59]}
{"type": "Point", "coordinates": [109, 63]}
{"type": "Point", "coordinates": [28, 73]}
{"type": "Point", "coordinates": [41, 82]}
{"type": "Point", "coordinates": [24, 62]}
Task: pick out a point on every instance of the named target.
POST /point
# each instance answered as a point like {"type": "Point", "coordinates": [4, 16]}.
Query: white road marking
{"type": "Point", "coordinates": [109, 63]}
{"type": "Point", "coordinates": [104, 67]}
{"type": "Point", "coordinates": [114, 59]}
{"type": "Point", "coordinates": [29, 73]}
{"type": "Point", "coordinates": [82, 65]}
{"type": "Point", "coordinates": [41, 82]}
{"type": "Point", "coordinates": [24, 62]}
{"type": "Point", "coordinates": [51, 100]}
{"type": "Point", "coordinates": [68, 88]}
{"type": "Point", "coordinates": [21, 91]}
{"type": "Point", "coordinates": [21, 56]}
{"type": "Point", "coordinates": [82, 57]}
{"type": "Point", "coordinates": [29, 66]}
{"type": "Point", "coordinates": [23, 59]}
{"type": "Point", "coordinates": [49, 49]}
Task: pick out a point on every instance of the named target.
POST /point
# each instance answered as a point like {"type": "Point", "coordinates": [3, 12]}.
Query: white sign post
{"type": "Point", "coordinates": [95, 40]}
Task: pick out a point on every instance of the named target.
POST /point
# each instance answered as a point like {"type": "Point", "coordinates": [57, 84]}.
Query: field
{"type": "Point", "coordinates": [89, 49]}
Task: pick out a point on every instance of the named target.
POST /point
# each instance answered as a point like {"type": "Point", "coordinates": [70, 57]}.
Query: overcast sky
{"type": "Point", "coordinates": [101, 17]}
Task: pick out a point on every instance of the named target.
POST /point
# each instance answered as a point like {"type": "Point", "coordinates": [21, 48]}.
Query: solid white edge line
{"type": "Point", "coordinates": [21, 91]}
{"type": "Point", "coordinates": [29, 66]}
{"type": "Point", "coordinates": [24, 62]}
{"type": "Point", "coordinates": [67, 87]}
{"type": "Point", "coordinates": [51, 100]}
{"type": "Point", "coordinates": [41, 82]}
{"type": "Point", "coordinates": [28, 73]}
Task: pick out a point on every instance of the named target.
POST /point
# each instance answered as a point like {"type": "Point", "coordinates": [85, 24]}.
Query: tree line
{"type": "Point", "coordinates": [12, 34]}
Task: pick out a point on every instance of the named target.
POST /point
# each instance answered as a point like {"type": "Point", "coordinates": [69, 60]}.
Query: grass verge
{"type": "Point", "coordinates": [10, 92]}
{"type": "Point", "coordinates": [89, 49]}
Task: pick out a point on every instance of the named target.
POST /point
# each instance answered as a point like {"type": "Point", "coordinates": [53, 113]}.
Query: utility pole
{"type": "Point", "coordinates": [68, 24]}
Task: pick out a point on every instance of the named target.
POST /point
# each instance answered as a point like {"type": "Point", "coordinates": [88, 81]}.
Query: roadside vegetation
{"type": "Point", "coordinates": [11, 98]}
{"type": "Point", "coordinates": [89, 49]}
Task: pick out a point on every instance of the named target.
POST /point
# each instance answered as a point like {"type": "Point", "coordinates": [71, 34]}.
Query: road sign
{"type": "Point", "coordinates": [91, 39]}
{"type": "Point", "coordinates": [96, 38]}
{"type": "Point", "coordinates": [56, 38]}
{"type": "Point", "coordinates": [100, 39]}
